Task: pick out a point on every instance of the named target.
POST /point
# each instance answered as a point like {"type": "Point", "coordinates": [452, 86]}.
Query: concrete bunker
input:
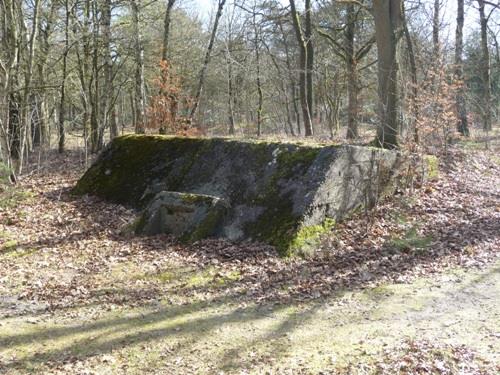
{"type": "Point", "coordinates": [284, 194]}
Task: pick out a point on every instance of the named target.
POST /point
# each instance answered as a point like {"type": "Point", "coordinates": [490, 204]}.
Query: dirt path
{"type": "Point", "coordinates": [413, 286]}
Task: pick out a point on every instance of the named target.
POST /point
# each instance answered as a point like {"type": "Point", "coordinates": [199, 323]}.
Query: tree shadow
{"type": "Point", "coordinates": [184, 325]}
{"type": "Point", "coordinates": [343, 269]}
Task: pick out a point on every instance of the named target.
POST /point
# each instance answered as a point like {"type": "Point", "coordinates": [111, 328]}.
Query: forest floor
{"type": "Point", "coordinates": [410, 288]}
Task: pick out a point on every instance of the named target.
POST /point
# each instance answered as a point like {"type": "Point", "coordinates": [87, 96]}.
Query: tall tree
{"type": "Point", "coordinates": [62, 102]}
{"type": "Point", "coordinates": [166, 28]}
{"type": "Point", "coordinates": [305, 70]}
{"type": "Point", "coordinates": [108, 95]}
{"type": "Point", "coordinates": [462, 125]}
{"type": "Point", "coordinates": [388, 17]}
{"type": "Point", "coordinates": [140, 91]}
{"type": "Point", "coordinates": [351, 54]}
{"type": "Point", "coordinates": [414, 78]}
{"type": "Point", "coordinates": [485, 68]}
{"type": "Point", "coordinates": [10, 43]}
{"type": "Point", "coordinates": [436, 25]}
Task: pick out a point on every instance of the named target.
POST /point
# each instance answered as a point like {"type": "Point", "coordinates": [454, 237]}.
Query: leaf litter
{"type": "Point", "coordinates": [70, 251]}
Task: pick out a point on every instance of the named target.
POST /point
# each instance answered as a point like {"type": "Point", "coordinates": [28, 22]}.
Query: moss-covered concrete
{"type": "Point", "coordinates": [279, 193]}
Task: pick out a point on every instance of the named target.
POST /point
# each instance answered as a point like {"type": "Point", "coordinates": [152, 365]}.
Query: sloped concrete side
{"type": "Point", "coordinates": [282, 194]}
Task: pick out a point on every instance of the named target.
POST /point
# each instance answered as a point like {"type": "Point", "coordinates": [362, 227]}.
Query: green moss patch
{"type": "Point", "coordinates": [8, 246]}
{"type": "Point", "coordinates": [11, 196]}
{"type": "Point", "coordinates": [431, 165]}
{"type": "Point", "coordinates": [411, 241]}
{"type": "Point", "coordinates": [308, 237]}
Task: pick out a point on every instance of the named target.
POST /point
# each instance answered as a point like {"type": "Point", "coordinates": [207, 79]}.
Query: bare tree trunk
{"type": "Point", "coordinates": [291, 79]}
{"type": "Point", "coordinates": [108, 96]}
{"type": "Point", "coordinates": [309, 59]}
{"type": "Point", "coordinates": [208, 54]}
{"type": "Point", "coordinates": [485, 68]}
{"type": "Point", "coordinates": [62, 103]}
{"type": "Point", "coordinates": [83, 68]}
{"type": "Point", "coordinates": [436, 47]}
{"type": "Point", "coordinates": [43, 34]}
{"type": "Point", "coordinates": [387, 14]}
{"type": "Point", "coordinates": [352, 73]}
{"type": "Point", "coordinates": [24, 106]}
{"type": "Point", "coordinates": [258, 78]}
{"type": "Point", "coordinates": [140, 106]}
{"type": "Point", "coordinates": [10, 125]}
{"type": "Point", "coordinates": [95, 139]}
{"type": "Point", "coordinates": [414, 78]}
{"type": "Point", "coordinates": [260, 95]}
{"type": "Point", "coordinates": [164, 53]}
{"type": "Point", "coordinates": [230, 93]}
{"type": "Point", "coordinates": [166, 29]}
{"type": "Point", "coordinates": [303, 69]}
{"type": "Point", "coordinates": [462, 126]}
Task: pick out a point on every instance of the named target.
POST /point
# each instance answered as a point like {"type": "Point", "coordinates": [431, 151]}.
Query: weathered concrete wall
{"type": "Point", "coordinates": [282, 194]}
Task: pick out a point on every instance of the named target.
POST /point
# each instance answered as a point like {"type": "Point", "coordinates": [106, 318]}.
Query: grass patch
{"type": "Point", "coordinates": [7, 246]}
{"type": "Point", "coordinates": [470, 144]}
{"type": "Point", "coordinates": [186, 277]}
{"type": "Point", "coordinates": [21, 252]}
{"type": "Point", "coordinates": [10, 197]}
{"type": "Point", "coordinates": [211, 276]}
{"type": "Point", "coordinates": [495, 159]}
{"type": "Point", "coordinates": [411, 241]}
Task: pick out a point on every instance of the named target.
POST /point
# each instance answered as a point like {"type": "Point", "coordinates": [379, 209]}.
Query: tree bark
{"type": "Point", "coordinates": [414, 78]}
{"type": "Point", "coordinates": [108, 96]}
{"type": "Point", "coordinates": [166, 29]}
{"type": "Point", "coordinates": [436, 47]}
{"type": "Point", "coordinates": [258, 78]}
{"type": "Point", "coordinates": [462, 126]}
{"type": "Point", "coordinates": [309, 60]}
{"type": "Point", "coordinates": [139, 98]}
{"type": "Point", "coordinates": [291, 78]}
{"type": "Point", "coordinates": [95, 139]}
{"type": "Point", "coordinates": [62, 103]}
{"type": "Point", "coordinates": [387, 15]}
{"type": "Point", "coordinates": [352, 73]}
{"type": "Point", "coordinates": [303, 70]}
{"type": "Point", "coordinates": [485, 68]}
{"type": "Point", "coordinates": [42, 136]}
{"type": "Point", "coordinates": [230, 93]}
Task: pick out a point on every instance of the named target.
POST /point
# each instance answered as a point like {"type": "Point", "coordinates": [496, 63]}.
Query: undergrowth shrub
{"type": "Point", "coordinates": [167, 109]}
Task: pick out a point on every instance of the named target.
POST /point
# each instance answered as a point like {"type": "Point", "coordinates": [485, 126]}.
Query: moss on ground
{"type": "Point", "coordinates": [431, 163]}
{"type": "Point", "coordinates": [8, 245]}
{"type": "Point", "coordinates": [11, 196]}
{"type": "Point", "coordinates": [411, 241]}
{"type": "Point", "coordinates": [308, 237]}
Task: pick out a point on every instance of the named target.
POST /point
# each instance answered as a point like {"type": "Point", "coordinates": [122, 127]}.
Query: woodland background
{"type": "Point", "coordinates": [91, 70]}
